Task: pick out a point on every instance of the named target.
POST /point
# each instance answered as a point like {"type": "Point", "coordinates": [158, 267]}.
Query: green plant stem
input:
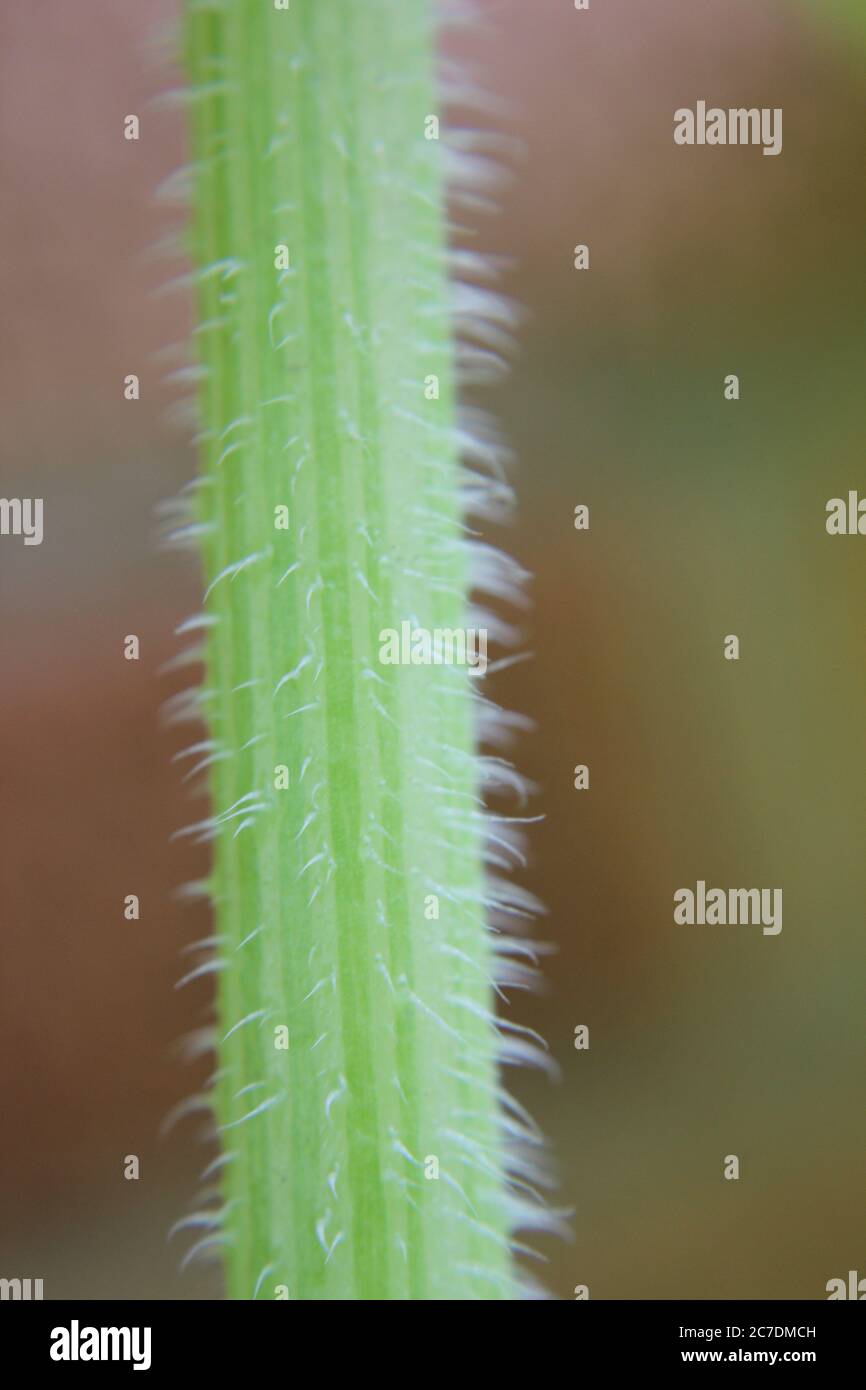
{"type": "Point", "coordinates": [308, 130]}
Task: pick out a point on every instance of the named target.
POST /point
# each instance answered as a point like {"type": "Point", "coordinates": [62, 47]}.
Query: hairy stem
{"type": "Point", "coordinates": [357, 1051]}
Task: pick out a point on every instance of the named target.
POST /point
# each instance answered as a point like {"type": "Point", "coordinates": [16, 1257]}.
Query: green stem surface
{"type": "Point", "coordinates": [344, 791]}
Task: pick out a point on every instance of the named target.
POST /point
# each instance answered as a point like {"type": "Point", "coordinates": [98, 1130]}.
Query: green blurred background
{"type": "Point", "coordinates": [707, 518]}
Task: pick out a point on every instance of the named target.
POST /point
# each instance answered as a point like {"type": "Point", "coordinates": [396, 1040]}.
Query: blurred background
{"type": "Point", "coordinates": [707, 518]}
